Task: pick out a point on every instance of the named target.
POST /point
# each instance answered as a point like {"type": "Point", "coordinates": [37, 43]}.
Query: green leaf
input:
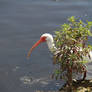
{"type": "Point", "coordinates": [72, 19]}
{"type": "Point", "coordinates": [90, 23]}
{"type": "Point", "coordinates": [57, 32]}
{"type": "Point", "coordinates": [90, 46]}
{"type": "Point", "coordinates": [79, 45]}
{"type": "Point", "coordinates": [81, 22]}
{"type": "Point", "coordinates": [83, 62]}
{"type": "Point", "coordinates": [89, 33]}
{"type": "Point", "coordinates": [57, 72]}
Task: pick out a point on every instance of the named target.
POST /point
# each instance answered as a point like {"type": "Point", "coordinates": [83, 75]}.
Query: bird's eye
{"type": "Point", "coordinates": [43, 39]}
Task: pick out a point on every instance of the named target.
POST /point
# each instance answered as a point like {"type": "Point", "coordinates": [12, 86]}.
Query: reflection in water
{"type": "Point", "coordinates": [41, 83]}
{"type": "Point", "coordinates": [26, 80]}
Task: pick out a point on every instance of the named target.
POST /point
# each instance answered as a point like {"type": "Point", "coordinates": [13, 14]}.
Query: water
{"type": "Point", "coordinates": [21, 24]}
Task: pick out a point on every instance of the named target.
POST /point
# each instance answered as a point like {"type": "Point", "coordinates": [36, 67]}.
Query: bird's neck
{"type": "Point", "coordinates": [51, 45]}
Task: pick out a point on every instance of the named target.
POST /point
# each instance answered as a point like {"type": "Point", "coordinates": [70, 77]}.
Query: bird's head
{"type": "Point", "coordinates": [44, 38]}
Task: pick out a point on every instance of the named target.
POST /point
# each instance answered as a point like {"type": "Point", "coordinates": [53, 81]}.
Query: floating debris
{"type": "Point", "coordinates": [26, 79]}
{"type": "Point", "coordinates": [16, 68]}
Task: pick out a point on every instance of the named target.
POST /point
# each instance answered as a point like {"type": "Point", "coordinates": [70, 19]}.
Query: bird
{"type": "Point", "coordinates": [48, 38]}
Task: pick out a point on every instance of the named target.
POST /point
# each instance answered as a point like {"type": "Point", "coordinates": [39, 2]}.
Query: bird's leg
{"type": "Point", "coordinates": [84, 76]}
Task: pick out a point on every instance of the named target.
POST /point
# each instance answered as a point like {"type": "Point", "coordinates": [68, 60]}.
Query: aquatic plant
{"type": "Point", "coordinates": [73, 50]}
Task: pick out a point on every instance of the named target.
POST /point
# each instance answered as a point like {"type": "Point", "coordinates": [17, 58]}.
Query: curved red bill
{"type": "Point", "coordinates": [42, 39]}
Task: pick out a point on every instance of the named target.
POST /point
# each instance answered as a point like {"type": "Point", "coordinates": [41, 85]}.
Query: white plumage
{"type": "Point", "coordinates": [49, 41]}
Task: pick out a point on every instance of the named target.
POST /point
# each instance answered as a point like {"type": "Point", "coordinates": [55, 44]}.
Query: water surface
{"type": "Point", "coordinates": [21, 24]}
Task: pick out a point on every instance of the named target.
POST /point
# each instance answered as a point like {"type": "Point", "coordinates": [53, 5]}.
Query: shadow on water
{"type": "Point", "coordinates": [21, 24]}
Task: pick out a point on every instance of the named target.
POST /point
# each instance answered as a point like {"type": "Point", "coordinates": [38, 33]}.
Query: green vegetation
{"type": "Point", "coordinates": [72, 43]}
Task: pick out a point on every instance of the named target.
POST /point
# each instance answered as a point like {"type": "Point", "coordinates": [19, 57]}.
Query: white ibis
{"type": "Point", "coordinates": [50, 42]}
{"type": "Point", "coordinates": [48, 38]}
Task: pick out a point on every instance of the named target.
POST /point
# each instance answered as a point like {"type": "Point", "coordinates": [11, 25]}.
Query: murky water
{"type": "Point", "coordinates": [21, 24]}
